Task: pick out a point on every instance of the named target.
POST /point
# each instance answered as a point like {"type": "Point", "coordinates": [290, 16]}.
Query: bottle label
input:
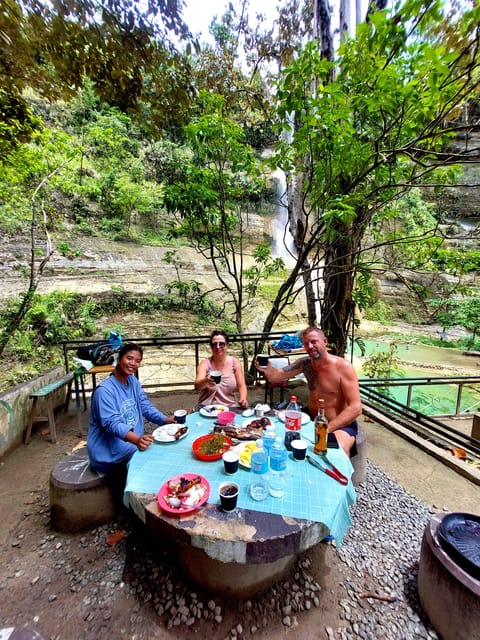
{"type": "Point", "coordinates": [293, 421]}
{"type": "Point", "coordinates": [320, 437]}
{"type": "Point", "coordinates": [278, 464]}
{"type": "Point", "coordinates": [259, 464]}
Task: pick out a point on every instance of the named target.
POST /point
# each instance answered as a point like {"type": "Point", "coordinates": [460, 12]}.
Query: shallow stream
{"type": "Point", "coordinates": [423, 361]}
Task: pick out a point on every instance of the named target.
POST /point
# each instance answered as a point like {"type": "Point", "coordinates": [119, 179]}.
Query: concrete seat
{"type": "Point", "coordinates": [19, 633]}
{"type": "Point", "coordinates": [449, 595]}
{"type": "Point", "coordinates": [80, 498]}
{"type": "Point", "coordinates": [359, 459]}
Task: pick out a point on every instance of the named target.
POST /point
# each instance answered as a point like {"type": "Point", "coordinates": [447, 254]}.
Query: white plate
{"type": "Point", "coordinates": [166, 433]}
{"type": "Point", "coordinates": [247, 413]}
{"type": "Point", "coordinates": [246, 423]}
{"type": "Point", "coordinates": [240, 448]}
{"type": "Point", "coordinates": [212, 410]}
{"type": "Point", "coordinates": [305, 417]}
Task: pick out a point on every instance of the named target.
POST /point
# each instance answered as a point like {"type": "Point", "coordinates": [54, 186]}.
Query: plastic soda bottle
{"type": "Point", "coordinates": [293, 422]}
{"type": "Point", "coordinates": [321, 424]}
{"type": "Point", "coordinates": [259, 472]}
{"type": "Point", "coordinates": [278, 469]}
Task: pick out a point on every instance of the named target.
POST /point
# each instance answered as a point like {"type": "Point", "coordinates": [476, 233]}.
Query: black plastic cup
{"type": "Point", "coordinates": [216, 376]}
{"type": "Point", "coordinates": [228, 492]}
{"type": "Point", "coordinates": [230, 462]}
{"type": "Point", "coordinates": [262, 359]}
{"type": "Point", "coordinates": [299, 449]}
{"type": "Point", "coordinates": [180, 416]}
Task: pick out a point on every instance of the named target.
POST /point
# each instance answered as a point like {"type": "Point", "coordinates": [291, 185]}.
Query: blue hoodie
{"type": "Point", "coordinates": [116, 409]}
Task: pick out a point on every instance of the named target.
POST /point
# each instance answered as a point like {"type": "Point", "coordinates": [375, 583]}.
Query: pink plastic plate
{"type": "Point", "coordinates": [185, 508]}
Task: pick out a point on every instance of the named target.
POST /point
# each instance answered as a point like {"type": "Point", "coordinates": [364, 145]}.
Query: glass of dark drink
{"type": "Point", "coordinates": [228, 493]}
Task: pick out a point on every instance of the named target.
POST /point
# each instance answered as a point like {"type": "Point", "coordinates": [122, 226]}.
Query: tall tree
{"type": "Point", "coordinates": [377, 127]}
{"type": "Point", "coordinates": [212, 201]}
{"type": "Point", "coordinates": [123, 46]}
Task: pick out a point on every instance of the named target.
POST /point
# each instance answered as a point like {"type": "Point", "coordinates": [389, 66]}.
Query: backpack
{"type": "Point", "coordinates": [103, 352]}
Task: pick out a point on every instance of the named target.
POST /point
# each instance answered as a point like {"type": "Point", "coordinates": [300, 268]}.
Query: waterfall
{"type": "Point", "coordinates": [281, 238]}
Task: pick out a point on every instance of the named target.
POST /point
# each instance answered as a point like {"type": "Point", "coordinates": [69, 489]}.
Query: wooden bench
{"type": "Point", "coordinates": [47, 393]}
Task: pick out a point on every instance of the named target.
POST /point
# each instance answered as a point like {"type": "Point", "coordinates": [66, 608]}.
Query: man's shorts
{"type": "Point", "coordinates": [351, 429]}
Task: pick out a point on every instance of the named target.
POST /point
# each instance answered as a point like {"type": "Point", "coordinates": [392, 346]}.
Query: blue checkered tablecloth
{"type": "Point", "coordinates": [309, 493]}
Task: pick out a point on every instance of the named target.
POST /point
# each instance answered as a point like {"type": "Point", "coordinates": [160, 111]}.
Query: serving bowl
{"type": "Point", "coordinates": [226, 417]}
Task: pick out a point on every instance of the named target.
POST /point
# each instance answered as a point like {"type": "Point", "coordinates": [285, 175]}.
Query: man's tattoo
{"type": "Point", "coordinates": [311, 375]}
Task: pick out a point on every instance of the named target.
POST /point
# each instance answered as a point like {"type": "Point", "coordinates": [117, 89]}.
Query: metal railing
{"type": "Point", "coordinates": [186, 349]}
{"type": "Point", "coordinates": [367, 384]}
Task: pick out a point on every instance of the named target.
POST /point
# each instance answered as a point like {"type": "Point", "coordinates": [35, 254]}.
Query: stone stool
{"type": "Point", "coordinates": [359, 459]}
{"type": "Point", "coordinates": [80, 498]}
{"type": "Point", "coordinates": [449, 595]}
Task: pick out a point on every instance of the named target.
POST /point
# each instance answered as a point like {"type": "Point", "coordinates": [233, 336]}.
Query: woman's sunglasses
{"type": "Point", "coordinates": [217, 345]}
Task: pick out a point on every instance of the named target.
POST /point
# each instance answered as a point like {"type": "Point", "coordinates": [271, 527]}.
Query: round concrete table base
{"type": "Point", "coordinates": [448, 594]}
{"type": "Point", "coordinates": [232, 554]}
{"type": "Point", "coordinates": [231, 579]}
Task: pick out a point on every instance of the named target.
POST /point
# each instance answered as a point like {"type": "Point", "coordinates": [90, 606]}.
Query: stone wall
{"type": "Point", "coordinates": [15, 405]}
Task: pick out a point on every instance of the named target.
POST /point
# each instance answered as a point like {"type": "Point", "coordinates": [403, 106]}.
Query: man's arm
{"type": "Point", "coordinates": [351, 394]}
{"type": "Point", "coordinates": [273, 374]}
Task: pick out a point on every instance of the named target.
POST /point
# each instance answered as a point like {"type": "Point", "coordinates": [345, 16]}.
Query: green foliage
{"type": "Point", "coordinates": [66, 250]}
{"type": "Point", "coordinates": [380, 311]}
{"type": "Point", "coordinates": [17, 122]}
{"type": "Point", "coordinates": [377, 122]}
{"type": "Point", "coordinates": [167, 161]}
{"type": "Point", "coordinates": [382, 364]}
{"type": "Point", "coordinates": [264, 268]}
{"type": "Point", "coordinates": [464, 312]}
{"type": "Point", "coordinates": [187, 296]}
{"type": "Point", "coordinates": [121, 47]}
{"type": "Point", "coordinates": [25, 169]}
{"type": "Point", "coordinates": [222, 180]}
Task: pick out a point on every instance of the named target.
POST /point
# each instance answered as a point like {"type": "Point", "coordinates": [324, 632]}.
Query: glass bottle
{"type": "Point", "coordinates": [278, 469]}
{"type": "Point", "coordinates": [259, 472]}
{"type": "Point", "coordinates": [293, 422]}
{"type": "Point", "coordinates": [321, 425]}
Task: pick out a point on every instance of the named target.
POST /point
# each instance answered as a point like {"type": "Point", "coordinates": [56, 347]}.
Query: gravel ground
{"type": "Point", "coordinates": [95, 585]}
{"type": "Point", "coordinates": [381, 551]}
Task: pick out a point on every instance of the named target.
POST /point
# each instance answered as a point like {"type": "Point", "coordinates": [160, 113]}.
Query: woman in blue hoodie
{"type": "Point", "coordinates": [119, 406]}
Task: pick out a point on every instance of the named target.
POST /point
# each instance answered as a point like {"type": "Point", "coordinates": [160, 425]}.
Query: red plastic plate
{"type": "Point", "coordinates": [227, 443]}
{"type": "Point", "coordinates": [184, 509]}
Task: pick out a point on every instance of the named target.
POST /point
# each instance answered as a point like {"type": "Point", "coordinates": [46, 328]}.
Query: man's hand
{"type": "Point", "coordinates": [144, 441]}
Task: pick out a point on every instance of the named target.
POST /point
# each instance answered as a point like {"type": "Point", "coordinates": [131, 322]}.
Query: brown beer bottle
{"type": "Point", "coordinates": [321, 424]}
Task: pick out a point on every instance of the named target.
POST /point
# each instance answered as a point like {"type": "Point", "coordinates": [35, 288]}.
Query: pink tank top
{"type": "Point", "coordinates": [224, 392]}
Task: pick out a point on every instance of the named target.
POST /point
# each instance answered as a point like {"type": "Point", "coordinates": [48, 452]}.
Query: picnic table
{"type": "Point", "coordinates": [238, 553]}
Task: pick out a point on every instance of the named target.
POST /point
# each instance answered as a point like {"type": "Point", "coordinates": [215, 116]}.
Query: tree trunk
{"type": "Point", "coordinates": [323, 29]}
{"type": "Point", "coordinates": [344, 22]}
{"type": "Point", "coordinates": [341, 257]}
{"type": "Point", "coordinates": [35, 271]}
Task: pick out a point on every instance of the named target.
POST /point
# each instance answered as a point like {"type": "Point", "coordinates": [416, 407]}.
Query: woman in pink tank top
{"type": "Point", "coordinates": [232, 380]}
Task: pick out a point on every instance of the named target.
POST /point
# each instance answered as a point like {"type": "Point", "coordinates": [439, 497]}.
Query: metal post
{"type": "Point", "coordinates": [459, 398]}
{"type": "Point", "coordinates": [409, 395]}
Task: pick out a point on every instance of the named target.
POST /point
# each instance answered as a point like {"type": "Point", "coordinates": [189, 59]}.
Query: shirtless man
{"type": "Point", "coordinates": [329, 377]}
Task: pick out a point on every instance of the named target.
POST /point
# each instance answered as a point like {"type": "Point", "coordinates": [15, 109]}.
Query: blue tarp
{"type": "Point", "coordinates": [288, 342]}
